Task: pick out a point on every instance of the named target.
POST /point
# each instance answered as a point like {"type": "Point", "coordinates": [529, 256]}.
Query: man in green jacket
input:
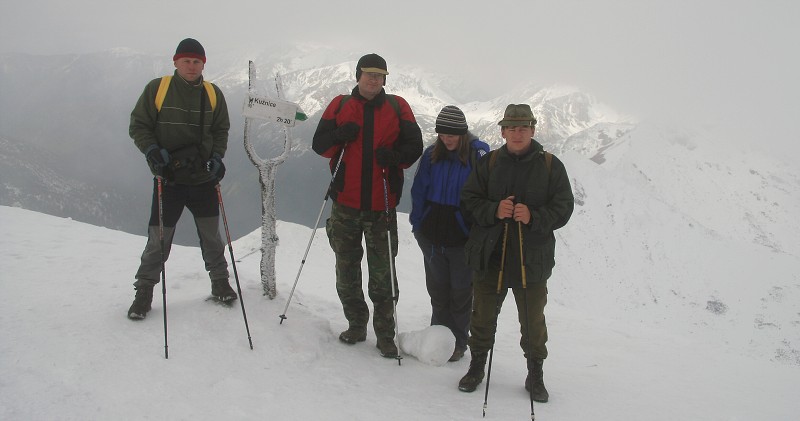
{"type": "Point", "coordinates": [516, 197]}
{"type": "Point", "coordinates": [183, 135]}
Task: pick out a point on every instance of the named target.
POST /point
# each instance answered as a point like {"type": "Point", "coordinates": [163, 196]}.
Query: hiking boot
{"type": "Point", "coordinates": [141, 303]}
{"type": "Point", "coordinates": [353, 334]}
{"type": "Point", "coordinates": [539, 392]}
{"type": "Point", "coordinates": [475, 374]}
{"type": "Point", "coordinates": [387, 347]}
{"type": "Point", "coordinates": [458, 353]}
{"type": "Point", "coordinates": [221, 290]}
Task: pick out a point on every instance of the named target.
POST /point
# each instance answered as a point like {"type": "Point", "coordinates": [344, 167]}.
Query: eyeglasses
{"type": "Point", "coordinates": [373, 75]}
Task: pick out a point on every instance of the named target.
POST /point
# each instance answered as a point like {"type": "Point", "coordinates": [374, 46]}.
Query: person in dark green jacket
{"type": "Point", "coordinates": [183, 139]}
{"type": "Point", "coordinates": [516, 197]}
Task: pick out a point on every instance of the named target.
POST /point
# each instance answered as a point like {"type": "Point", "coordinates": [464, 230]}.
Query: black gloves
{"type": "Point", "coordinates": [215, 167]}
{"type": "Point", "coordinates": [158, 158]}
{"type": "Point", "coordinates": [346, 133]}
{"type": "Point", "coordinates": [387, 157]}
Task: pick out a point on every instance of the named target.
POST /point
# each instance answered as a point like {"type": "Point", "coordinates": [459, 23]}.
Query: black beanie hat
{"type": "Point", "coordinates": [451, 120]}
{"type": "Point", "coordinates": [371, 63]}
{"type": "Point", "coordinates": [190, 48]}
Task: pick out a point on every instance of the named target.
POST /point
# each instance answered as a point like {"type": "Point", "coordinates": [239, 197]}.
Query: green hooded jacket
{"type": "Point", "coordinates": [177, 127]}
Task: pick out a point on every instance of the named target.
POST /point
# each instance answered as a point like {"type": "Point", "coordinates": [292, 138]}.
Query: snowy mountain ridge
{"type": "Point", "coordinates": [81, 109]}
{"type": "Point", "coordinates": [681, 166]}
{"type": "Point", "coordinates": [562, 111]}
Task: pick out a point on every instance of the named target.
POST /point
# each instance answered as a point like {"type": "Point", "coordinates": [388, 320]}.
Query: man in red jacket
{"type": "Point", "coordinates": [370, 138]}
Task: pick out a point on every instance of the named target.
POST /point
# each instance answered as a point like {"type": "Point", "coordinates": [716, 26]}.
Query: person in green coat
{"type": "Point", "coordinates": [516, 197]}
{"type": "Point", "coordinates": [183, 139]}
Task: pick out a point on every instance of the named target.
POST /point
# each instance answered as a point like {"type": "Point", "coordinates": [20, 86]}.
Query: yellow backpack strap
{"type": "Point", "coordinates": [212, 94]}
{"type": "Point", "coordinates": [164, 85]}
{"type": "Point", "coordinates": [162, 91]}
{"type": "Point", "coordinates": [548, 161]}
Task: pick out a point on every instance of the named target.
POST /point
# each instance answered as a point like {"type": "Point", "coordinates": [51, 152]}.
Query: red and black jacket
{"type": "Point", "coordinates": [359, 181]}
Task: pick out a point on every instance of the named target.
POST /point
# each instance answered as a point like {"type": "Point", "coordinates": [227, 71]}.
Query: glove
{"type": "Point", "coordinates": [215, 167]}
{"type": "Point", "coordinates": [158, 158]}
{"type": "Point", "coordinates": [387, 157]}
{"type": "Point", "coordinates": [346, 133]}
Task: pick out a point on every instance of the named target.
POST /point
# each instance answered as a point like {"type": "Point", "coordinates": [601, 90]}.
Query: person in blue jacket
{"type": "Point", "coordinates": [438, 225]}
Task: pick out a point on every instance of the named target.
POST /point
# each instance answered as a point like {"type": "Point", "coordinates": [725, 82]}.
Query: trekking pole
{"type": "Point", "coordinates": [313, 232]}
{"type": "Point", "coordinates": [527, 324]}
{"type": "Point", "coordinates": [391, 265]}
{"type": "Point", "coordinates": [160, 182]}
{"type": "Point", "coordinates": [496, 314]}
{"type": "Point", "coordinates": [233, 263]}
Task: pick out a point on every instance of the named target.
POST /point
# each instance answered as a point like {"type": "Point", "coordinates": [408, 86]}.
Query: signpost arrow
{"type": "Point", "coordinates": [275, 110]}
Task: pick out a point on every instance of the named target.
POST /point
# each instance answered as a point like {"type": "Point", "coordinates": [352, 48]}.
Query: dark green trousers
{"type": "Point", "coordinates": [486, 307]}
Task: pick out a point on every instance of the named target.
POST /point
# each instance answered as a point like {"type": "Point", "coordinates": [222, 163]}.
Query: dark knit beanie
{"type": "Point", "coordinates": [451, 120]}
{"type": "Point", "coordinates": [371, 63]}
{"type": "Point", "coordinates": [190, 48]}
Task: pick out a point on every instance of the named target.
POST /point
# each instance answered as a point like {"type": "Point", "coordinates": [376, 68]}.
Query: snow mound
{"type": "Point", "coordinates": [433, 345]}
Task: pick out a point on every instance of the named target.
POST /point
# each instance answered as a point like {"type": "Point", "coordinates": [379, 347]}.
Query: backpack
{"type": "Point", "coordinates": [164, 86]}
{"type": "Point", "coordinates": [389, 98]}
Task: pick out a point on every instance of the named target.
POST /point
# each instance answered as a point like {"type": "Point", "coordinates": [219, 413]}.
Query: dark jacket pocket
{"type": "Point", "coordinates": [479, 246]}
{"type": "Point", "coordinates": [539, 261]}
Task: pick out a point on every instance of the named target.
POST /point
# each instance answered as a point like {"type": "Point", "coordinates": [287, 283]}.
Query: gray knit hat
{"type": "Point", "coordinates": [451, 120]}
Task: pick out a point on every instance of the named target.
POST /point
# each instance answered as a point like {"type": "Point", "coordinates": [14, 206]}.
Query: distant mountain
{"type": "Point", "coordinates": [77, 107]}
{"type": "Point", "coordinates": [34, 178]}
{"type": "Point", "coordinates": [70, 114]}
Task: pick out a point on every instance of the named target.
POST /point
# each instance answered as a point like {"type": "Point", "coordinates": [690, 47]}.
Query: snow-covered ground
{"type": "Point", "coordinates": [68, 352]}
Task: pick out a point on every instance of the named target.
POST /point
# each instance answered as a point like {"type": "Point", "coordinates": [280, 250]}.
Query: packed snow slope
{"type": "Point", "coordinates": [69, 353]}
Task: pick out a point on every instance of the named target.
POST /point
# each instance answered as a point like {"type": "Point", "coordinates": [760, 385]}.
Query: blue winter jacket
{"type": "Point", "coordinates": [437, 188]}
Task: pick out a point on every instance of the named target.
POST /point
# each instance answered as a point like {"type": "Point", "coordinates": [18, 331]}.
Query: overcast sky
{"type": "Point", "coordinates": [728, 64]}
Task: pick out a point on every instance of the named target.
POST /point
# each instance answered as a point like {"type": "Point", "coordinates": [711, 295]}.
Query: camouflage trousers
{"type": "Point", "coordinates": [486, 307]}
{"type": "Point", "coordinates": [346, 228]}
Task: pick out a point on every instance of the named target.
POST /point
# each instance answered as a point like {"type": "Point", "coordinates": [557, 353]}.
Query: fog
{"type": "Point", "coordinates": [725, 66]}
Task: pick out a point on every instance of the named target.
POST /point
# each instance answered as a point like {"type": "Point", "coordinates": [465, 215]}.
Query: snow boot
{"type": "Point", "coordinates": [535, 380]}
{"type": "Point", "coordinates": [458, 353]}
{"type": "Point", "coordinates": [221, 291]}
{"type": "Point", "coordinates": [353, 334]}
{"type": "Point", "coordinates": [387, 347]}
{"type": "Point", "coordinates": [475, 374]}
{"type": "Point", "coordinates": [141, 303]}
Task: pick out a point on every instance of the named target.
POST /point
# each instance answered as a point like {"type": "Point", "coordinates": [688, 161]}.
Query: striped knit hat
{"type": "Point", "coordinates": [451, 120]}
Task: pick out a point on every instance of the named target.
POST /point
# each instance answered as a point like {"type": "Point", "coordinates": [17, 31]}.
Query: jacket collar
{"type": "Point", "coordinates": [199, 81]}
{"type": "Point", "coordinates": [536, 148]}
{"type": "Point", "coordinates": [376, 102]}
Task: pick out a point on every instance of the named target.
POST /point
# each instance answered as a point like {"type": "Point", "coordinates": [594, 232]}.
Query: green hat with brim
{"type": "Point", "coordinates": [518, 115]}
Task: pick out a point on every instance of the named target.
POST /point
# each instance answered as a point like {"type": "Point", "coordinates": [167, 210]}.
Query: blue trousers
{"type": "Point", "coordinates": [449, 283]}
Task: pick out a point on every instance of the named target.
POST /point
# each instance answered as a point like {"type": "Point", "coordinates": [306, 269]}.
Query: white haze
{"type": "Point", "coordinates": [676, 293]}
{"type": "Point", "coordinates": [725, 66]}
